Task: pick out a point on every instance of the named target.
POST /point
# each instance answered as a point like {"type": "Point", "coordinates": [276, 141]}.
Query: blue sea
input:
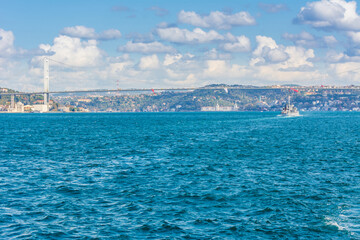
{"type": "Point", "coordinates": [214, 175]}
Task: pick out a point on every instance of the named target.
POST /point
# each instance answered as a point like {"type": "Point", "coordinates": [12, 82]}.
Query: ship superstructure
{"type": "Point", "coordinates": [290, 110]}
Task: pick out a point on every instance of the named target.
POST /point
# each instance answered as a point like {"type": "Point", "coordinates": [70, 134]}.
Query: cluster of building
{"type": "Point", "coordinates": [308, 99]}
{"type": "Point", "coordinates": [19, 107]}
{"type": "Point", "coordinates": [219, 108]}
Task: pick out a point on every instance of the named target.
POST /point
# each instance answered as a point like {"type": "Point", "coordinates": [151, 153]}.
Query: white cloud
{"type": "Point", "coordinates": [264, 46]}
{"type": "Point", "coordinates": [213, 54]}
{"type": "Point", "coordinates": [262, 42]}
{"type": "Point", "coordinates": [171, 59]}
{"type": "Point", "coordinates": [190, 80]}
{"type": "Point", "coordinates": [330, 15]}
{"type": "Point", "coordinates": [242, 44]}
{"type": "Point", "coordinates": [283, 58]}
{"type": "Point", "coordinates": [298, 58]}
{"type": "Point", "coordinates": [216, 19]}
{"type": "Point", "coordinates": [308, 40]}
{"type": "Point", "coordinates": [333, 56]}
{"type": "Point", "coordinates": [346, 73]}
{"type": "Point", "coordinates": [277, 55]}
{"type": "Point", "coordinates": [185, 36]}
{"type": "Point", "coordinates": [6, 43]}
{"type": "Point", "coordinates": [149, 62]}
{"type": "Point", "coordinates": [181, 63]}
{"type": "Point", "coordinates": [73, 51]}
{"type": "Point", "coordinates": [89, 33]}
{"type": "Point", "coordinates": [14, 72]}
{"type": "Point", "coordinates": [146, 48]}
{"type": "Point", "coordinates": [172, 74]}
{"type": "Point", "coordinates": [228, 72]}
{"type": "Point", "coordinates": [352, 55]}
{"type": "Point", "coordinates": [216, 68]}
{"type": "Point", "coordinates": [330, 40]}
{"type": "Point", "coordinates": [354, 37]}
{"type": "Point", "coordinates": [165, 25]}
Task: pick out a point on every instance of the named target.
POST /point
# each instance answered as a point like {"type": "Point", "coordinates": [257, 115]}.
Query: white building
{"type": "Point", "coordinates": [40, 108]}
{"type": "Point", "coordinates": [18, 108]}
{"type": "Point", "coordinates": [217, 108]}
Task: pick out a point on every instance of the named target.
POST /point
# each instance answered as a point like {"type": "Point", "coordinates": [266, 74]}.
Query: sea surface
{"type": "Point", "coordinates": [215, 175]}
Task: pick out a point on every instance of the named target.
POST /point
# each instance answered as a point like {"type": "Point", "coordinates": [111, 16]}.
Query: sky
{"type": "Point", "coordinates": [112, 44]}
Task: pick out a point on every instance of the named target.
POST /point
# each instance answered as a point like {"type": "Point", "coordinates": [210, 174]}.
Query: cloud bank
{"type": "Point", "coordinates": [218, 20]}
{"type": "Point", "coordinates": [336, 15]}
{"type": "Point", "coordinates": [89, 33]}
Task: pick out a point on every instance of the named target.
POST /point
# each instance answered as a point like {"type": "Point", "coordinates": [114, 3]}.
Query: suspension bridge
{"type": "Point", "coordinates": [46, 92]}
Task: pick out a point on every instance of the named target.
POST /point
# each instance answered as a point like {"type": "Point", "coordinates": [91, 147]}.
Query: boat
{"type": "Point", "coordinates": [290, 110]}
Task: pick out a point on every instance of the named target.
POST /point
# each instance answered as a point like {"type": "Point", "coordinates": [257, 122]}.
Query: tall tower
{"type": "Point", "coordinates": [46, 83]}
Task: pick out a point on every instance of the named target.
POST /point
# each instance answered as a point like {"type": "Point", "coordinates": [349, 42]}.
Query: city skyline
{"type": "Point", "coordinates": [169, 44]}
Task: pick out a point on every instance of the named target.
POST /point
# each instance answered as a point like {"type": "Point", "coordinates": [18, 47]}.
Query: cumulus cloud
{"type": "Point", "coordinates": [308, 40]}
{"type": "Point", "coordinates": [279, 56]}
{"type": "Point", "coordinates": [166, 25]}
{"type": "Point", "coordinates": [330, 40]}
{"type": "Point", "coordinates": [117, 68]}
{"type": "Point", "coordinates": [181, 69]}
{"type": "Point", "coordinates": [234, 73]}
{"type": "Point", "coordinates": [185, 36]}
{"type": "Point", "coordinates": [216, 19]}
{"type": "Point", "coordinates": [264, 42]}
{"type": "Point", "coordinates": [242, 44]}
{"type": "Point", "coordinates": [273, 8]}
{"type": "Point", "coordinates": [146, 48]}
{"type": "Point", "coordinates": [6, 43]}
{"type": "Point", "coordinates": [352, 54]}
{"type": "Point", "coordinates": [171, 59]}
{"type": "Point", "coordinates": [275, 55]}
{"type": "Point", "coordinates": [190, 80]}
{"type": "Point", "coordinates": [214, 54]}
{"type": "Point", "coordinates": [8, 50]}
{"type": "Point", "coordinates": [354, 37]}
{"type": "Point", "coordinates": [149, 62]}
{"type": "Point", "coordinates": [346, 72]}
{"type": "Point", "coordinates": [73, 51]}
{"type": "Point", "coordinates": [299, 58]}
{"type": "Point", "coordinates": [330, 15]}
{"type": "Point", "coordinates": [89, 33]}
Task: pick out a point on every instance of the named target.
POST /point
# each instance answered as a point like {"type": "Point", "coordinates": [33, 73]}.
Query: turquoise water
{"type": "Point", "coordinates": [180, 176]}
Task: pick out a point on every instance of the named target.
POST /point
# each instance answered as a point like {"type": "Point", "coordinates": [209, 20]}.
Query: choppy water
{"type": "Point", "coordinates": [180, 176]}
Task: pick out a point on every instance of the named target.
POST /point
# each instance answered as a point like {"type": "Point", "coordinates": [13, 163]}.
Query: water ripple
{"type": "Point", "coordinates": [180, 176]}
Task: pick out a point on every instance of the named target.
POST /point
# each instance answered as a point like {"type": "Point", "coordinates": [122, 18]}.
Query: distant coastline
{"type": "Point", "coordinates": [207, 100]}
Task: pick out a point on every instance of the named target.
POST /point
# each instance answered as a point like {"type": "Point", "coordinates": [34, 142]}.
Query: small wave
{"type": "Point", "coordinates": [332, 222]}
{"type": "Point", "coordinates": [67, 190]}
{"type": "Point", "coordinates": [205, 221]}
{"type": "Point", "coordinates": [166, 226]}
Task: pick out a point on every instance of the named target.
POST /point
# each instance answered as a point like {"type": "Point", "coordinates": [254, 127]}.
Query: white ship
{"type": "Point", "coordinates": [290, 110]}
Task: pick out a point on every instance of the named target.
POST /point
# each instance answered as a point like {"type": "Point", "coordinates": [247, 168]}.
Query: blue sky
{"type": "Point", "coordinates": [105, 44]}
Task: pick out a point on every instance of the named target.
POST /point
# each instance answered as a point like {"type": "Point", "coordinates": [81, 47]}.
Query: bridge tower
{"type": "Point", "coordinates": [46, 84]}
{"type": "Point", "coordinates": [12, 104]}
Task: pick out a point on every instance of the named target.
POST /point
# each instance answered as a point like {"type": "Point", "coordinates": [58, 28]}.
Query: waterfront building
{"type": "Point", "coordinates": [18, 108]}
{"type": "Point", "coordinates": [219, 108]}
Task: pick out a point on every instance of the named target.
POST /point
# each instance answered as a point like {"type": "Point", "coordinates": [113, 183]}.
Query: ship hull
{"type": "Point", "coordinates": [292, 114]}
